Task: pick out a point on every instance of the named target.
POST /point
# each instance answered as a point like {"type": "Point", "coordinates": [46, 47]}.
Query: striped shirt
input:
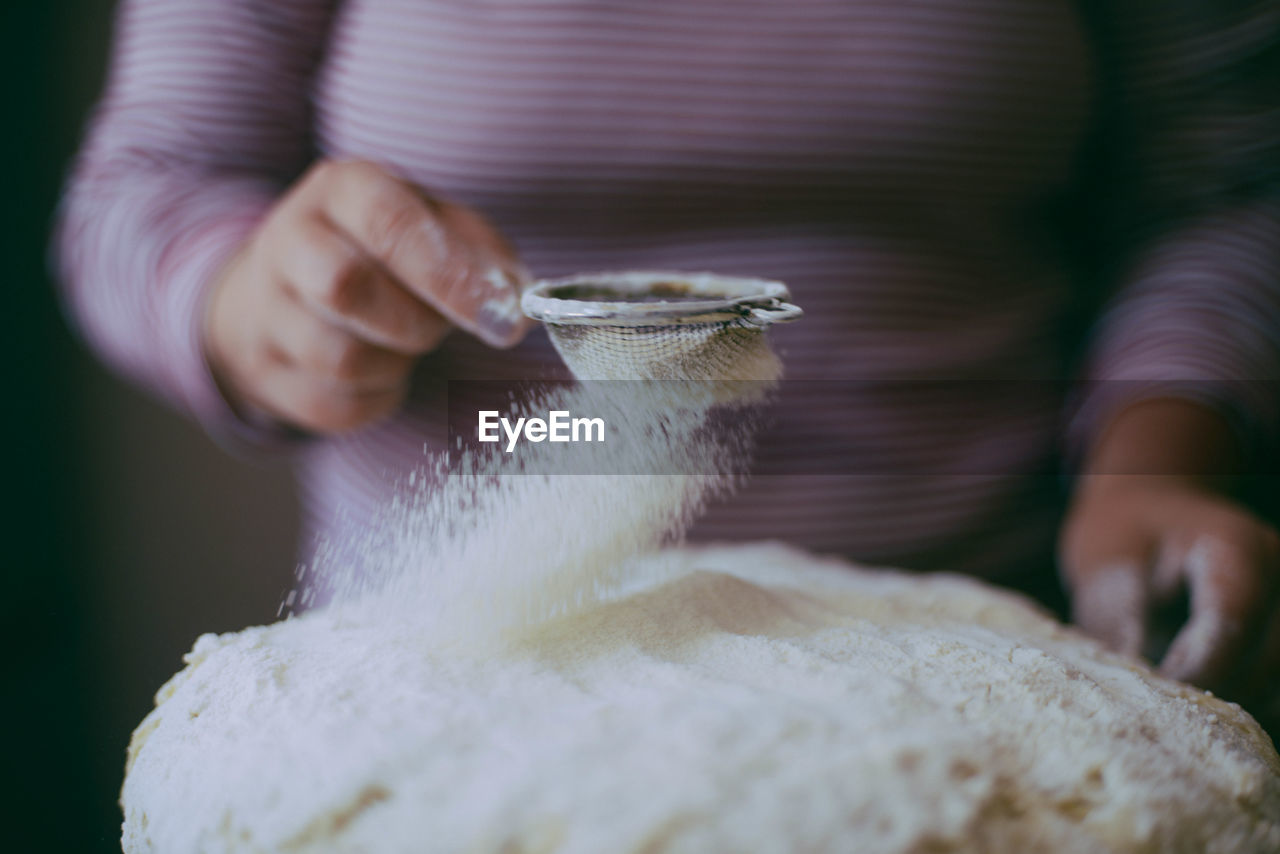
{"type": "Point", "coordinates": [947, 186]}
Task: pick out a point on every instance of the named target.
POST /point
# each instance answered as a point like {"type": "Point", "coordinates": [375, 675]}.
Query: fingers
{"type": "Point", "coordinates": [499, 306]}
{"type": "Point", "coordinates": [321, 407]}
{"type": "Point", "coordinates": [1106, 560]}
{"type": "Point", "coordinates": [353, 274]}
{"type": "Point", "coordinates": [1132, 543]}
{"type": "Point", "coordinates": [333, 355]}
{"type": "Point", "coordinates": [443, 254]}
{"type": "Point", "coordinates": [1230, 593]}
{"type": "Point", "coordinates": [1110, 603]}
{"type": "Point", "coordinates": [337, 282]}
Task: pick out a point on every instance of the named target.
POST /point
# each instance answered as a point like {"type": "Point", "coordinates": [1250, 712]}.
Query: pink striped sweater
{"type": "Point", "coordinates": [904, 166]}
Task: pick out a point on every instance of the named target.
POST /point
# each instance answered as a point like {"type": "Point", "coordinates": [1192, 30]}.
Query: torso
{"type": "Point", "coordinates": [888, 160]}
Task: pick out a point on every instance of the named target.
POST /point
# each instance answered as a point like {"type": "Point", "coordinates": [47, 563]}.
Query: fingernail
{"type": "Point", "coordinates": [499, 316]}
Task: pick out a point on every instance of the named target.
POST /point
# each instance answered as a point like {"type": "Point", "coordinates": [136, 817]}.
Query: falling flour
{"type": "Point", "coordinates": [478, 547]}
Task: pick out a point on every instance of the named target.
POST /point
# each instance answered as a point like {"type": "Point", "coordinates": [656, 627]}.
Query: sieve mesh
{"type": "Point", "coordinates": [662, 326]}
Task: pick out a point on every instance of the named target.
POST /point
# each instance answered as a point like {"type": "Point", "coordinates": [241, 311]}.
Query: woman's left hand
{"type": "Point", "coordinates": [1134, 541]}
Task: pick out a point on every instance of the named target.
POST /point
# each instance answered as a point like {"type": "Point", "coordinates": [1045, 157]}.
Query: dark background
{"type": "Point", "coordinates": [128, 533]}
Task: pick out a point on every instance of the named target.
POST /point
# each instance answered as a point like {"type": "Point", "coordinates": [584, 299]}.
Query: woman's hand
{"type": "Point", "coordinates": [1135, 538]}
{"type": "Point", "coordinates": [318, 320]}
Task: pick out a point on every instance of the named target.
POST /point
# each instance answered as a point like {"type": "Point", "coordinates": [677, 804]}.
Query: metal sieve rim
{"type": "Point", "coordinates": [752, 301]}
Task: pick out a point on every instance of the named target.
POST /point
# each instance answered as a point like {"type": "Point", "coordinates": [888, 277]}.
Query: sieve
{"type": "Point", "coordinates": [662, 325]}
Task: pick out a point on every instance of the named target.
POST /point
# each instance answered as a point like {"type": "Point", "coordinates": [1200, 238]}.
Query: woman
{"type": "Point", "coordinates": [290, 218]}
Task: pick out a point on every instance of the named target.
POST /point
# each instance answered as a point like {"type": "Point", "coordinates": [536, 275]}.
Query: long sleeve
{"type": "Point", "coordinates": [204, 119]}
{"type": "Point", "coordinates": [1196, 202]}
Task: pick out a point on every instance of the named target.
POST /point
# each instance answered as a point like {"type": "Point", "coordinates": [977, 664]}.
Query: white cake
{"type": "Point", "coordinates": [762, 700]}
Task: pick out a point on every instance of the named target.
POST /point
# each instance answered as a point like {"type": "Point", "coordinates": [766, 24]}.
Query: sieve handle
{"type": "Point", "coordinates": [771, 311]}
